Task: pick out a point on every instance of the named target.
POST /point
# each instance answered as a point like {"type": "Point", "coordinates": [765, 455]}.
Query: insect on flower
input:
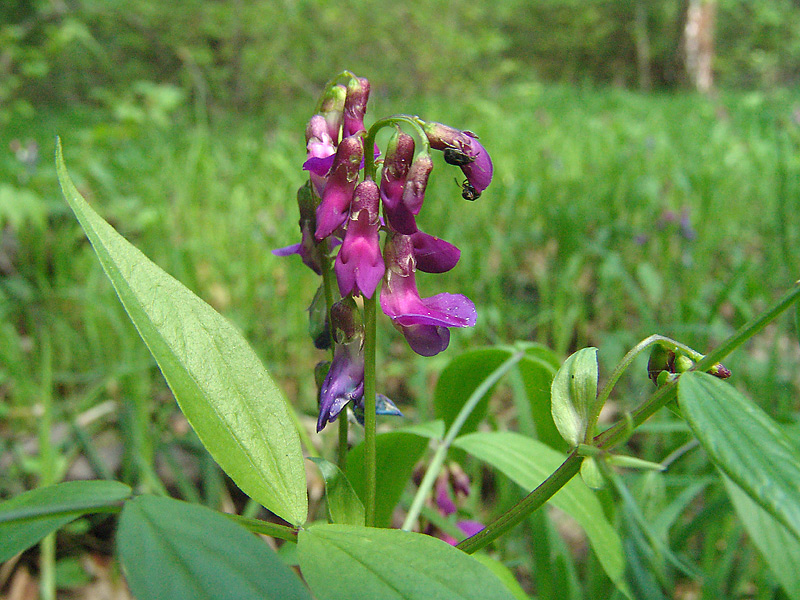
{"type": "Point", "coordinates": [454, 156]}
{"type": "Point", "coordinates": [468, 191]}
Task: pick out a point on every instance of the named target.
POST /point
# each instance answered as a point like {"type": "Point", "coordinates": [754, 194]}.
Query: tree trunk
{"type": "Point", "coordinates": [699, 43]}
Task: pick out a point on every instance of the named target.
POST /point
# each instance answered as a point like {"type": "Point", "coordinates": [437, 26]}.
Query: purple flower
{"type": "Point", "coordinates": [417, 181]}
{"type": "Point", "coordinates": [463, 149]}
{"type": "Point", "coordinates": [355, 105]}
{"type": "Point", "coordinates": [338, 192]}
{"type": "Point", "coordinates": [399, 154]}
{"type": "Point", "coordinates": [423, 321]}
{"type": "Point", "coordinates": [345, 379]}
{"type": "Point", "coordinates": [434, 255]}
{"type": "Point", "coordinates": [320, 150]}
{"type": "Point", "coordinates": [359, 265]}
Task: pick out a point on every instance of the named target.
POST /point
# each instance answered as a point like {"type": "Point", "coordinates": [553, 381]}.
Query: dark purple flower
{"type": "Point", "coordinates": [422, 321]}
{"type": "Point", "coordinates": [359, 265]}
{"type": "Point", "coordinates": [434, 255]}
{"type": "Point", "coordinates": [462, 148]}
{"type": "Point", "coordinates": [355, 105]}
{"type": "Point", "coordinates": [338, 192]}
{"type": "Point", "coordinates": [399, 154]}
{"type": "Point", "coordinates": [345, 379]}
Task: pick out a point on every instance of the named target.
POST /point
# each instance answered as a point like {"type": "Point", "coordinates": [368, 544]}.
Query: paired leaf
{"type": "Point", "coordinates": [27, 518]}
{"type": "Point", "coordinates": [780, 549]}
{"type": "Point", "coordinates": [745, 444]}
{"type": "Point", "coordinates": [528, 462]}
{"type": "Point", "coordinates": [397, 453]}
{"type": "Point", "coordinates": [573, 395]}
{"type": "Point", "coordinates": [344, 505]}
{"type": "Point", "coordinates": [171, 549]}
{"type": "Point", "coordinates": [360, 563]}
{"type": "Point", "coordinates": [459, 379]}
{"type": "Point", "coordinates": [221, 386]}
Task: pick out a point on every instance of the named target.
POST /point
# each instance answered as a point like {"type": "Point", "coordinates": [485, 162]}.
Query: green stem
{"type": "Point", "coordinates": [341, 452]}
{"type": "Point", "coordinates": [370, 454]}
{"type": "Point", "coordinates": [620, 431]}
{"type": "Point", "coordinates": [370, 168]}
{"type": "Point", "coordinates": [440, 455]}
{"type": "Point", "coordinates": [282, 532]}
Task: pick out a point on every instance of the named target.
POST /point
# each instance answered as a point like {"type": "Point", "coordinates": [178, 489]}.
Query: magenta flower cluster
{"type": "Point", "coordinates": [342, 215]}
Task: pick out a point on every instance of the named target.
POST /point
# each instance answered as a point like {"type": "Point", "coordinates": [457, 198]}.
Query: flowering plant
{"type": "Point", "coordinates": [359, 233]}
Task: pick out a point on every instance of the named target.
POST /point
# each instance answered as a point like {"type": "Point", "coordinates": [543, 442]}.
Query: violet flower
{"type": "Point", "coordinates": [434, 255]}
{"type": "Point", "coordinates": [463, 149]}
{"type": "Point", "coordinates": [399, 154]}
{"type": "Point", "coordinates": [320, 148]}
{"type": "Point", "coordinates": [338, 192]}
{"type": "Point", "coordinates": [359, 265]}
{"type": "Point", "coordinates": [345, 379]}
{"type": "Point", "coordinates": [423, 321]}
{"type": "Point", "coordinates": [355, 106]}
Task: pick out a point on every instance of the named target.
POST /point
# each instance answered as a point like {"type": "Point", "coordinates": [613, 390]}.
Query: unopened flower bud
{"type": "Point", "coordinates": [331, 109]}
{"type": "Point", "coordinates": [417, 181]}
{"type": "Point", "coordinates": [346, 321]}
{"type": "Point", "coordinates": [399, 154]}
{"type": "Point", "coordinates": [355, 105]}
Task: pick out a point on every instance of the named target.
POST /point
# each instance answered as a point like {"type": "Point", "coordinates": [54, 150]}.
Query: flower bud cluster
{"type": "Point", "coordinates": [344, 210]}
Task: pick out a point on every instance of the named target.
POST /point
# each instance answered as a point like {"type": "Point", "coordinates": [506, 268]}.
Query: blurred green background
{"type": "Point", "coordinates": [624, 201]}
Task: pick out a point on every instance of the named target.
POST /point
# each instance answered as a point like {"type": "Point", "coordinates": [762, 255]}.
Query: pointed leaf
{"type": "Point", "coordinates": [397, 453]}
{"type": "Point", "coordinates": [221, 386]}
{"type": "Point", "coordinates": [27, 518]}
{"type": "Point", "coordinates": [780, 549]}
{"type": "Point", "coordinates": [528, 462]}
{"type": "Point", "coordinates": [344, 505]}
{"type": "Point", "coordinates": [171, 549]}
{"type": "Point", "coordinates": [745, 444]}
{"type": "Point", "coordinates": [360, 563]}
{"type": "Point", "coordinates": [574, 392]}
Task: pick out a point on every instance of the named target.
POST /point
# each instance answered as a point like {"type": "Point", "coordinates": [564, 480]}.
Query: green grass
{"type": "Point", "coordinates": [577, 242]}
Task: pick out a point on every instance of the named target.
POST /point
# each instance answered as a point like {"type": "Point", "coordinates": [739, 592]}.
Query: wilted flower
{"type": "Point", "coordinates": [359, 265]}
{"type": "Point", "coordinates": [423, 321]}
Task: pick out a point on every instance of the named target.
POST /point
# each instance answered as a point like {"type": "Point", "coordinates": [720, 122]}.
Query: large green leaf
{"type": "Point", "coordinates": [221, 386]}
{"type": "Point", "coordinates": [344, 506]}
{"type": "Point", "coordinates": [745, 444]}
{"type": "Point", "coordinates": [780, 549]}
{"type": "Point", "coordinates": [397, 453]}
{"type": "Point", "coordinates": [359, 563]}
{"type": "Point", "coordinates": [528, 462]}
{"type": "Point", "coordinates": [171, 549]}
{"type": "Point", "coordinates": [27, 518]}
{"type": "Point", "coordinates": [459, 379]}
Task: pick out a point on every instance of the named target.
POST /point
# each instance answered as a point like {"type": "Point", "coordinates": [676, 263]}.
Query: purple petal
{"type": "Point", "coordinates": [319, 165]}
{"type": "Point", "coordinates": [479, 171]}
{"type": "Point", "coordinates": [426, 340]}
{"type": "Point", "coordinates": [446, 310]}
{"type": "Point", "coordinates": [343, 383]}
{"type": "Point", "coordinates": [443, 500]}
{"type": "Point", "coordinates": [288, 250]}
{"type": "Point", "coordinates": [434, 255]}
{"type": "Point", "coordinates": [470, 528]}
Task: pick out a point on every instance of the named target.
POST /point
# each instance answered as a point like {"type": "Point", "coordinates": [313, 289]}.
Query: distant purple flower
{"type": "Point", "coordinates": [359, 265]}
{"type": "Point", "coordinates": [463, 149]}
{"type": "Point", "coordinates": [422, 321]}
{"type": "Point", "coordinates": [355, 105]}
{"type": "Point", "coordinates": [338, 192]}
{"type": "Point", "coordinates": [399, 154]}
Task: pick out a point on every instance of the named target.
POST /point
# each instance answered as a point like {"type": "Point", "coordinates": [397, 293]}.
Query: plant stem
{"type": "Point", "coordinates": [370, 456]}
{"type": "Point", "coordinates": [370, 168]}
{"type": "Point", "coordinates": [620, 431]}
{"type": "Point", "coordinates": [440, 455]}
{"type": "Point", "coordinates": [341, 452]}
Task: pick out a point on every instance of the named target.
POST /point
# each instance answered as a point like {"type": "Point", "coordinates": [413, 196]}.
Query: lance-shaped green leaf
{"type": "Point", "coordinates": [27, 518]}
{"type": "Point", "coordinates": [745, 444]}
{"type": "Point", "coordinates": [780, 549]}
{"type": "Point", "coordinates": [364, 563]}
{"type": "Point", "coordinates": [344, 506]}
{"type": "Point", "coordinates": [171, 549]}
{"type": "Point", "coordinates": [573, 395]}
{"type": "Point", "coordinates": [221, 386]}
{"type": "Point", "coordinates": [528, 463]}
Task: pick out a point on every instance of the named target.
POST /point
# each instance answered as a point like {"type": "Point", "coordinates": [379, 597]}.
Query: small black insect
{"type": "Point", "coordinates": [454, 156]}
{"type": "Point", "coordinates": [468, 191]}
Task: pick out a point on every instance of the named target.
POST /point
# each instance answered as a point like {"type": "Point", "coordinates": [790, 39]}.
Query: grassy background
{"type": "Point", "coordinates": [612, 215]}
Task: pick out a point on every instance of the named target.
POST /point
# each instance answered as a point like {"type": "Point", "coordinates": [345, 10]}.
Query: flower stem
{"type": "Point", "coordinates": [426, 485]}
{"type": "Point", "coordinates": [621, 430]}
{"type": "Point", "coordinates": [370, 168]}
{"type": "Point", "coordinates": [370, 455]}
